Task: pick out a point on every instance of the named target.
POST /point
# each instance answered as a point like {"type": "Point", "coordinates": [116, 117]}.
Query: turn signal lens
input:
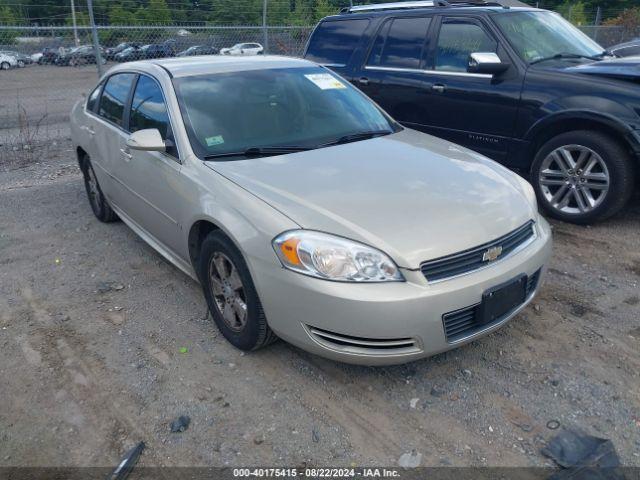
{"type": "Point", "coordinates": [334, 258]}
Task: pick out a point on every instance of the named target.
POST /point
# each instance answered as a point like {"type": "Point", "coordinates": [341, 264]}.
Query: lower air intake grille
{"type": "Point", "coordinates": [462, 323]}
{"type": "Point", "coordinates": [474, 258]}
{"type": "Point", "coordinates": [338, 341]}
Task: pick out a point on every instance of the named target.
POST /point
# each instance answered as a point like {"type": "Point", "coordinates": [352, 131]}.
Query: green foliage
{"type": "Point", "coordinates": [629, 19]}
{"type": "Point", "coordinates": [573, 11]}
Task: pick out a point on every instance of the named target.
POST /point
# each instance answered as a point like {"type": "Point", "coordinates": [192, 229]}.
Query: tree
{"type": "Point", "coordinates": [628, 19]}
{"type": "Point", "coordinates": [573, 11]}
{"type": "Point", "coordinates": [158, 11]}
{"type": "Point", "coordinates": [119, 16]}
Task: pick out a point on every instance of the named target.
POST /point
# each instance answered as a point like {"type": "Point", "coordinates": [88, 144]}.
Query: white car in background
{"type": "Point", "coordinates": [243, 49]}
{"type": "Point", "coordinates": [7, 62]}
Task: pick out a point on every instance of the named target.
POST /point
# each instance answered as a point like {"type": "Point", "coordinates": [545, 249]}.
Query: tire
{"type": "Point", "coordinates": [21, 64]}
{"type": "Point", "coordinates": [99, 204]}
{"type": "Point", "coordinates": [5, 66]}
{"type": "Point", "coordinates": [234, 294]}
{"type": "Point", "coordinates": [583, 176]}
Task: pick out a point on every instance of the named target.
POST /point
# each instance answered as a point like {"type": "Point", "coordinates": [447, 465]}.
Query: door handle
{"type": "Point", "coordinates": [439, 88]}
{"type": "Point", "coordinates": [363, 81]}
{"type": "Point", "coordinates": [127, 156]}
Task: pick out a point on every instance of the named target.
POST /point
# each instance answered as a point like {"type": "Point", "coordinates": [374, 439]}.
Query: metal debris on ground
{"type": "Point", "coordinates": [127, 463]}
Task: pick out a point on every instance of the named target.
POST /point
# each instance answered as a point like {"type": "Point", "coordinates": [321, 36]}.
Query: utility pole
{"type": "Point", "coordinates": [75, 26]}
{"type": "Point", "coordinates": [94, 34]}
{"type": "Point", "coordinates": [265, 33]}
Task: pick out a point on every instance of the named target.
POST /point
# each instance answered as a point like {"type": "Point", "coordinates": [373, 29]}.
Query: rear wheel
{"type": "Point", "coordinates": [20, 63]}
{"type": "Point", "coordinates": [582, 176]}
{"type": "Point", "coordinates": [231, 294]}
{"type": "Point", "coordinates": [99, 204]}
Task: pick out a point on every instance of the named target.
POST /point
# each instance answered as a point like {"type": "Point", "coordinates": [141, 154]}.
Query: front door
{"type": "Point", "coordinates": [152, 180]}
{"type": "Point", "coordinates": [475, 110]}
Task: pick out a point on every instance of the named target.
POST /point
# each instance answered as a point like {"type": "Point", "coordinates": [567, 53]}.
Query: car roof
{"type": "Point", "coordinates": [493, 9]}
{"type": "Point", "coordinates": [189, 66]}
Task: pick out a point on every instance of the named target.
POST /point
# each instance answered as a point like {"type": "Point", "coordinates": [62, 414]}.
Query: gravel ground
{"type": "Point", "coordinates": [103, 344]}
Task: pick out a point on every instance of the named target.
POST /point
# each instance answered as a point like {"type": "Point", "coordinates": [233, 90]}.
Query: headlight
{"type": "Point", "coordinates": [334, 258]}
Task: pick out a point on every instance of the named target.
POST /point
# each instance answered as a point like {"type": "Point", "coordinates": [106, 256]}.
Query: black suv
{"type": "Point", "coordinates": [520, 85]}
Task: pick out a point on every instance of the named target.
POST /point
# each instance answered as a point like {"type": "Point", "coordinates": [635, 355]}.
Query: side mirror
{"type": "Point", "coordinates": [148, 140]}
{"type": "Point", "coordinates": [486, 62]}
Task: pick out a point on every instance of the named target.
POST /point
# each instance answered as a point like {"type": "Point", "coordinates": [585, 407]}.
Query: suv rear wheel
{"type": "Point", "coordinates": [582, 176]}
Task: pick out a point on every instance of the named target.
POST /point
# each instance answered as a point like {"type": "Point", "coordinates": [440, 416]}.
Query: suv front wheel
{"type": "Point", "coordinates": [582, 176]}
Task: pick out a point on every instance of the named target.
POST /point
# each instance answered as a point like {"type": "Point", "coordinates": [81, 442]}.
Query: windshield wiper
{"type": "Point", "coordinates": [558, 56]}
{"type": "Point", "coordinates": [260, 152]}
{"type": "Point", "coordinates": [354, 137]}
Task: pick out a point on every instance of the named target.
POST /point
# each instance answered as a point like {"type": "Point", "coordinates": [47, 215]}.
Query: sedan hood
{"type": "Point", "coordinates": [624, 68]}
{"type": "Point", "coordinates": [411, 195]}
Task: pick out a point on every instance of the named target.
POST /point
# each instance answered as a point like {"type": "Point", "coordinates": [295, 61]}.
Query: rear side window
{"type": "Point", "coordinates": [333, 42]}
{"type": "Point", "coordinates": [458, 39]}
{"type": "Point", "coordinates": [92, 101]}
{"type": "Point", "coordinates": [114, 96]}
{"type": "Point", "coordinates": [400, 43]}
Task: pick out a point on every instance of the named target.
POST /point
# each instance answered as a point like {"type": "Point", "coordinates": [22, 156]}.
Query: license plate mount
{"type": "Point", "coordinates": [502, 299]}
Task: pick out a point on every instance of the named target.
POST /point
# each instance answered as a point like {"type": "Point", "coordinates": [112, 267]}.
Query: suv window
{"type": "Point", "coordinates": [92, 101]}
{"type": "Point", "coordinates": [400, 43]}
{"type": "Point", "coordinates": [458, 39]}
{"type": "Point", "coordinates": [114, 97]}
{"type": "Point", "coordinates": [333, 42]}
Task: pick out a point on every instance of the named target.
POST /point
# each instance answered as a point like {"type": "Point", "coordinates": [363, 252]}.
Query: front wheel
{"type": "Point", "coordinates": [231, 295]}
{"type": "Point", "coordinates": [582, 176]}
{"type": "Point", "coordinates": [5, 66]}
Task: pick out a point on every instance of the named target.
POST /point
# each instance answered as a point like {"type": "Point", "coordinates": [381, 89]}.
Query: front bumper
{"type": "Point", "coordinates": [387, 323]}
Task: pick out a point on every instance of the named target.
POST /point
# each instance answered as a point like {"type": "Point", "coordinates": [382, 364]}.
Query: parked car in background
{"type": "Point", "coordinates": [197, 50]}
{"type": "Point", "coordinates": [7, 62]}
{"type": "Point", "coordinates": [110, 53]}
{"type": "Point", "coordinates": [48, 56]}
{"type": "Point", "coordinates": [82, 55]}
{"type": "Point", "coordinates": [520, 85]}
{"type": "Point", "coordinates": [22, 59]}
{"type": "Point", "coordinates": [626, 49]}
{"type": "Point", "coordinates": [130, 54]}
{"type": "Point", "coordinates": [385, 246]}
{"type": "Point", "coordinates": [158, 50]}
{"type": "Point", "coordinates": [243, 49]}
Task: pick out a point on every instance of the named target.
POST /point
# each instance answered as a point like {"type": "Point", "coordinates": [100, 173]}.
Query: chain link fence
{"type": "Point", "coordinates": [35, 100]}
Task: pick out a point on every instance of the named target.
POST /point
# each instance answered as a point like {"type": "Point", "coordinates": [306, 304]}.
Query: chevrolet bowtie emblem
{"type": "Point", "coordinates": [492, 254]}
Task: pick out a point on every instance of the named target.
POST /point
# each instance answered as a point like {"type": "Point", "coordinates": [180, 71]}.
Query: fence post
{"type": "Point", "coordinates": [75, 26]}
{"type": "Point", "coordinates": [597, 23]}
{"type": "Point", "coordinates": [94, 34]}
{"type": "Point", "coordinates": [265, 32]}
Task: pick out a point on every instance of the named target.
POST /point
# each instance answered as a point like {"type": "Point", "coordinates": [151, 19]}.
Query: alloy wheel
{"type": "Point", "coordinates": [574, 179]}
{"type": "Point", "coordinates": [228, 291]}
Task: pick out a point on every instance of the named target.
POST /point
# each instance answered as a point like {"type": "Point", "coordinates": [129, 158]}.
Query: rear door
{"type": "Point", "coordinates": [392, 71]}
{"type": "Point", "coordinates": [109, 133]}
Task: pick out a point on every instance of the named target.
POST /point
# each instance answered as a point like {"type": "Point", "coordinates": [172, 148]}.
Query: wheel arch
{"type": "Point", "coordinates": [569, 121]}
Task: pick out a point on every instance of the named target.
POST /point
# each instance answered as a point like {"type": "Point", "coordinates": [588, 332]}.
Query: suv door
{"type": "Point", "coordinates": [476, 110]}
{"type": "Point", "coordinates": [392, 73]}
{"type": "Point", "coordinates": [151, 179]}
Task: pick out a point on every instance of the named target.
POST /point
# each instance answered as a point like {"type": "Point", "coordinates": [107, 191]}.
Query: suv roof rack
{"type": "Point", "coordinates": [420, 4]}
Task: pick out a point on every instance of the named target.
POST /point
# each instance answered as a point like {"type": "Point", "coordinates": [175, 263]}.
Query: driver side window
{"type": "Point", "coordinates": [458, 39]}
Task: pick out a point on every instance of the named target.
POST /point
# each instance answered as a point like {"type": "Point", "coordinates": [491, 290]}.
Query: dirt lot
{"type": "Point", "coordinates": [94, 326]}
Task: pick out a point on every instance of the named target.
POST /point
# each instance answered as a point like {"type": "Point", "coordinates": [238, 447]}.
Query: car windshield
{"type": "Point", "coordinates": [537, 35]}
{"type": "Point", "coordinates": [304, 107]}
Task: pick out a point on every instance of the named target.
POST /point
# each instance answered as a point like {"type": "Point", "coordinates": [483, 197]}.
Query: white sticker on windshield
{"type": "Point", "coordinates": [325, 81]}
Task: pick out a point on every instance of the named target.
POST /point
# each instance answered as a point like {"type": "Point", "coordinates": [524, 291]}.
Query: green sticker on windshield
{"type": "Point", "coordinates": [211, 141]}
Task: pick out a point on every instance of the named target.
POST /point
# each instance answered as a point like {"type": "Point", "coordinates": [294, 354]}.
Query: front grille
{"type": "Point", "coordinates": [472, 259]}
{"type": "Point", "coordinates": [338, 341]}
{"type": "Point", "coordinates": [462, 323]}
